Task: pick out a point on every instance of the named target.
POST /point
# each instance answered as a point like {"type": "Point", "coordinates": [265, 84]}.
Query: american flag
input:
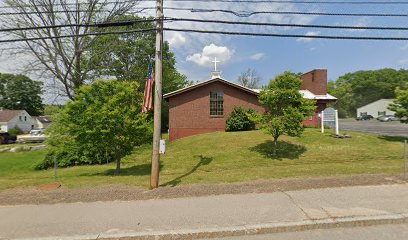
{"type": "Point", "coordinates": [148, 94]}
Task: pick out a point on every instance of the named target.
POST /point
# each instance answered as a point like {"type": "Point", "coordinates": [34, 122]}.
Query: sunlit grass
{"type": "Point", "coordinates": [222, 157]}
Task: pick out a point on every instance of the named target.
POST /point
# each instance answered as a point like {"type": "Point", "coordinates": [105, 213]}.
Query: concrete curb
{"type": "Point", "coordinates": [187, 234]}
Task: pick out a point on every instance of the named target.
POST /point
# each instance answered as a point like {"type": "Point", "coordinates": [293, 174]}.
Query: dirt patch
{"type": "Point", "coordinates": [128, 193]}
{"type": "Point", "coordinates": [49, 187]}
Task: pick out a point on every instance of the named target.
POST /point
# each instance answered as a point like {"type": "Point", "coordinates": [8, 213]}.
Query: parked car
{"type": "Point", "coordinates": [365, 117]}
{"type": "Point", "coordinates": [388, 118]}
{"type": "Point", "coordinates": [5, 138]}
{"type": "Point", "coordinates": [37, 131]}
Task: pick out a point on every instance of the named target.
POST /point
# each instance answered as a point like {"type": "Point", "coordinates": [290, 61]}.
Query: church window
{"type": "Point", "coordinates": [216, 103]}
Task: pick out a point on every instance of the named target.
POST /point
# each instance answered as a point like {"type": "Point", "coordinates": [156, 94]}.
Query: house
{"type": "Point", "coordinates": [205, 107]}
{"type": "Point", "coordinates": [18, 119]}
{"type": "Point", "coordinates": [376, 109]}
{"type": "Point", "coordinates": [42, 121]}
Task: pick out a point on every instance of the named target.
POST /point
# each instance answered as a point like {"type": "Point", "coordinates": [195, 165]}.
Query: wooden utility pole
{"type": "Point", "coordinates": [154, 178]}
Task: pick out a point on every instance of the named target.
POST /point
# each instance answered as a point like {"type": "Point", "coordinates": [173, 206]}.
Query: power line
{"type": "Point", "coordinates": [68, 4]}
{"type": "Point", "coordinates": [68, 11]}
{"type": "Point", "coordinates": [236, 13]}
{"type": "Point", "coordinates": [289, 35]}
{"type": "Point", "coordinates": [287, 24]}
{"type": "Point", "coordinates": [99, 25]}
{"type": "Point", "coordinates": [214, 32]}
{"type": "Point", "coordinates": [77, 35]}
{"type": "Point", "coordinates": [248, 14]}
{"type": "Point", "coordinates": [171, 19]}
{"type": "Point", "coordinates": [232, 1]}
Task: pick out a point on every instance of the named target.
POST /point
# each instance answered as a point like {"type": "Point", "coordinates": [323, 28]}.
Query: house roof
{"type": "Point", "coordinates": [43, 119]}
{"type": "Point", "coordinates": [309, 95]}
{"type": "Point", "coordinates": [306, 93]}
{"type": "Point", "coordinates": [7, 115]}
{"type": "Point", "coordinates": [168, 95]}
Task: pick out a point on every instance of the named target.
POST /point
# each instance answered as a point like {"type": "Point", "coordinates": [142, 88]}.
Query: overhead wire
{"type": "Point", "coordinates": [289, 35]}
{"type": "Point", "coordinates": [172, 19]}
{"type": "Point", "coordinates": [236, 13]}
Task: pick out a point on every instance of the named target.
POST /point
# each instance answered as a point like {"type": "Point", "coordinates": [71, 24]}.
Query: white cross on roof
{"type": "Point", "coordinates": [215, 64]}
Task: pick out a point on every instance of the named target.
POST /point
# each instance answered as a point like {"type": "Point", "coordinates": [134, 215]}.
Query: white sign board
{"type": "Point", "coordinates": [330, 118]}
{"type": "Point", "coordinates": [162, 149]}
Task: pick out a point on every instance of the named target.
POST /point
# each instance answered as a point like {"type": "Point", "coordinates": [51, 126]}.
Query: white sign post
{"type": "Point", "coordinates": [330, 117]}
{"type": "Point", "coordinates": [322, 118]}
{"type": "Point", "coordinates": [337, 122]}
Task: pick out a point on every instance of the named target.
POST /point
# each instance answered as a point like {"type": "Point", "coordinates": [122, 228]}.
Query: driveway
{"type": "Point", "coordinates": [373, 126]}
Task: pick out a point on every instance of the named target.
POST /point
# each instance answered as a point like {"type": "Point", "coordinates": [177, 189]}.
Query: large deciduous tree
{"type": "Point", "coordinates": [18, 92]}
{"type": "Point", "coordinates": [126, 57]}
{"type": "Point", "coordinates": [56, 57]}
{"type": "Point", "coordinates": [400, 105]}
{"type": "Point", "coordinates": [354, 90]}
{"type": "Point", "coordinates": [285, 107]}
{"type": "Point", "coordinates": [103, 124]}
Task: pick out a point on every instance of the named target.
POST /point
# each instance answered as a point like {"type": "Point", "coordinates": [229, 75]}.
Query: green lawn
{"type": "Point", "coordinates": [223, 157]}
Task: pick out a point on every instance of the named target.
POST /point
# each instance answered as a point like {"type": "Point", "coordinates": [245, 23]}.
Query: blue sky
{"type": "Point", "coordinates": [271, 56]}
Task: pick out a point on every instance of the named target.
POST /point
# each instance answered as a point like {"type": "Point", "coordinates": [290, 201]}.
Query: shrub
{"type": "Point", "coordinates": [14, 132]}
{"type": "Point", "coordinates": [238, 120]}
{"type": "Point", "coordinates": [103, 124]}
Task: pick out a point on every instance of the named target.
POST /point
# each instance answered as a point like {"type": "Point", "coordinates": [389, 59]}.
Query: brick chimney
{"type": "Point", "coordinates": [315, 81]}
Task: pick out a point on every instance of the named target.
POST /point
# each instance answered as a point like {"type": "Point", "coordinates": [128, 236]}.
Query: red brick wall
{"type": "Point", "coordinates": [315, 81]}
{"type": "Point", "coordinates": [190, 111]}
{"type": "Point", "coordinates": [315, 120]}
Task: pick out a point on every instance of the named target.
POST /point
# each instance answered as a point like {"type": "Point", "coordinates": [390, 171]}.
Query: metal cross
{"type": "Point", "coordinates": [215, 63]}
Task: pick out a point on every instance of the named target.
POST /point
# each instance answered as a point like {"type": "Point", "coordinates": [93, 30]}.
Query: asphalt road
{"type": "Point", "coordinates": [381, 232]}
{"type": "Point", "coordinates": [394, 128]}
{"type": "Point", "coordinates": [186, 215]}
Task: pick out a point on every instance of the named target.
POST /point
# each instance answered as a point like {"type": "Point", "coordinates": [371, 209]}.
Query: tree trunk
{"type": "Point", "coordinates": [275, 145]}
{"type": "Point", "coordinates": [118, 166]}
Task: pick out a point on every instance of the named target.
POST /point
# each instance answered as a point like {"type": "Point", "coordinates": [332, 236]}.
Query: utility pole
{"type": "Point", "coordinates": [154, 177]}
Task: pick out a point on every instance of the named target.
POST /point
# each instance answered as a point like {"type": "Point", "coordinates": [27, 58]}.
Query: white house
{"type": "Point", "coordinates": [376, 109]}
{"type": "Point", "coordinates": [42, 121]}
{"type": "Point", "coordinates": [19, 119]}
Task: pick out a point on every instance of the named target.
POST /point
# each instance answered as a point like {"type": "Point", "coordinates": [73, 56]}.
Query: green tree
{"type": "Point", "coordinates": [400, 105]}
{"type": "Point", "coordinates": [126, 57]}
{"type": "Point", "coordinates": [103, 124]}
{"type": "Point", "coordinates": [357, 89]}
{"type": "Point", "coordinates": [285, 107]}
{"type": "Point", "coordinates": [52, 110]}
{"type": "Point", "coordinates": [18, 92]}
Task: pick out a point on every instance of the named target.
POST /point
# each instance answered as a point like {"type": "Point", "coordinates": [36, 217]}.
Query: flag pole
{"type": "Point", "coordinates": [154, 178]}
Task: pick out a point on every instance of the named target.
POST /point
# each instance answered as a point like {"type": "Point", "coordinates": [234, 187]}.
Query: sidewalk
{"type": "Point", "coordinates": [223, 215]}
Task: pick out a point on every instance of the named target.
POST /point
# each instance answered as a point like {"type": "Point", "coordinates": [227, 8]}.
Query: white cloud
{"type": "Point", "coordinates": [257, 56]}
{"type": "Point", "coordinates": [405, 47]}
{"type": "Point", "coordinates": [308, 39]}
{"type": "Point", "coordinates": [197, 40]}
{"type": "Point", "coordinates": [205, 58]}
{"type": "Point", "coordinates": [312, 49]}
{"type": "Point", "coordinates": [175, 39]}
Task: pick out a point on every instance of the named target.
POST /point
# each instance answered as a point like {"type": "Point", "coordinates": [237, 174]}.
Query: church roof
{"type": "Point", "coordinates": [171, 94]}
{"type": "Point", "coordinates": [306, 93]}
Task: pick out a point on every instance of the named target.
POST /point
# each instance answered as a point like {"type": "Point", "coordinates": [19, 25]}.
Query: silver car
{"type": "Point", "coordinates": [388, 118]}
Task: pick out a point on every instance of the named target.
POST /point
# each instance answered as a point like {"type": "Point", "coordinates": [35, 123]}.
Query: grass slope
{"type": "Point", "coordinates": [223, 157]}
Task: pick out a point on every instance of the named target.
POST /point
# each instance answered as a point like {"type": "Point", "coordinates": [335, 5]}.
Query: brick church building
{"type": "Point", "coordinates": [206, 106]}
